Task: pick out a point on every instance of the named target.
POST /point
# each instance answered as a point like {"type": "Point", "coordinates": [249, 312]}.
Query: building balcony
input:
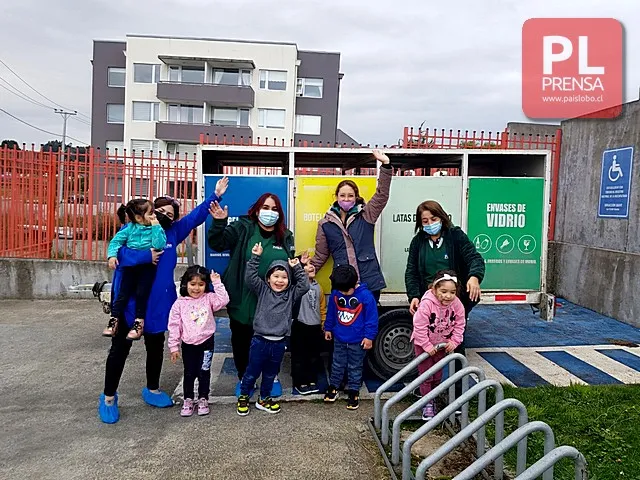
{"type": "Point", "coordinates": [214, 94]}
{"type": "Point", "coordinates": [190, 132]}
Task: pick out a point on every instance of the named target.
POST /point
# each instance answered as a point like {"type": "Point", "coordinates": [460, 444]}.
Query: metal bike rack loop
{"type": "Point", "coordinates": [479, 389]}
{"type": "Point", "coordinates": [449, 359]}
{"type": "Point", "coordinates": [505, 445]}
{"type": "Point", "coordinates": [551, 458]}
{"type": "Point", "coordinates": [476, 425]}
{"type": "Point", "coordinates": [416, 406]}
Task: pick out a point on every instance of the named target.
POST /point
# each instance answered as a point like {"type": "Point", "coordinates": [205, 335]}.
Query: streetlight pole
{"type": "Point", "coordinates": [65, 116]}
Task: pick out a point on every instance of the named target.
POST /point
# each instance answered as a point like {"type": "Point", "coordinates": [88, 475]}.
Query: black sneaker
{"type": "Point", "coordinates": [313, 388]}
{"type": "Point", "coordinates": [331, 395]}
{"type": "Point", "coordinates": [354, 400]}
{"type": "Point", "coordinates": [243, 405]}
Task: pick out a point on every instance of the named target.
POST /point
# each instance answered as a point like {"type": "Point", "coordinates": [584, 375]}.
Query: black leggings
{"type": "Point", "coordinates": [119, 351]}
{"type": "Point", "coordinates": [197, 364]}
{"type": "Point", "coordinates": [241, 336]}
{"type": "Point", "coordinates": [135, 282]}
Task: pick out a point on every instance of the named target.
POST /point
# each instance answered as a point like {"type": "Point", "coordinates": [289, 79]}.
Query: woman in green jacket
{"type": "Point", "coordinates": [265, 223]}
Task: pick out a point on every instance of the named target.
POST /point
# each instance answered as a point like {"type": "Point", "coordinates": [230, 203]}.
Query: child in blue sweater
{"type": "Point", "coordinates": [352, 323]}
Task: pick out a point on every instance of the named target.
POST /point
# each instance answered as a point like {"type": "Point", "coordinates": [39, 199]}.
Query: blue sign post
{"type": "Point", "coordinates": [242, 193]}
{"type": "Point", "coordinates": [615, 183]}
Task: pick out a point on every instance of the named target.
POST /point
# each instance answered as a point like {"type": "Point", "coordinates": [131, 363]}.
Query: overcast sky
{"type": "Point", "coordinates": [453, 64]}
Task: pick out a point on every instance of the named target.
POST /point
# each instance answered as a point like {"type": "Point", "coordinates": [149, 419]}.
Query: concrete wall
{"type": "Point", "coordinates": [596, 261]}
{"type": "Point", "coordinates": [50, 279]}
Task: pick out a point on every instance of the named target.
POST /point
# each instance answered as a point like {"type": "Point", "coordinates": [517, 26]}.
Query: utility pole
{"type": "Point", "coordinates": [65, 116]}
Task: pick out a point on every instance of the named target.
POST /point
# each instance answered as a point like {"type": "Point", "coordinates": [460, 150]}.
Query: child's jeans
{"type": "Point", "coordinates": [265, 357]}
{"type": "Point", "coordinates": [349, 357]}
{"type": "Point", "coordinates": [197, 364]}
{"type": "Point", "coordinates": [434, 381]}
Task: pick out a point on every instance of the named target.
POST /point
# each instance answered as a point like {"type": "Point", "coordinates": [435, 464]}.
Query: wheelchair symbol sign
{"type": "Point", "coordinates": [615, 172]}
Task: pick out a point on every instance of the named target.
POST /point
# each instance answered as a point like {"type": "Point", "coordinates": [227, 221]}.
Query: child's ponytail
{"type": "Point", "coordinates": [122, 214]}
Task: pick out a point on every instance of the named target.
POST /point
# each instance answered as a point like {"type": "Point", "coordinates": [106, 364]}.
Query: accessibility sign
{"type": "Point", "coordinates": [615, 183]}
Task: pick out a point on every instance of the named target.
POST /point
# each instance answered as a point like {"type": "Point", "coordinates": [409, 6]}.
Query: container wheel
{"type": "Point", "coordinates": [392, 349]}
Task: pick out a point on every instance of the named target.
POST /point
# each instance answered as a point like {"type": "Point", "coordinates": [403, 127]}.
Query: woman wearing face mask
{"type": "Point", "coordinates": [346, 231]}
{"type": "Point", "coordinates": [438, 245]}
{"type": "Point", "coordinates": [163, 294]}
{"type": "Point", "coordinates": [264, 223]}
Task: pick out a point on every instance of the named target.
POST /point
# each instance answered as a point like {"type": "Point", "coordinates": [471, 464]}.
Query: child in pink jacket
{"type": "Point", "coordinates": [192, 324]}
{"type": "Point", "coordinates": [439, 319]}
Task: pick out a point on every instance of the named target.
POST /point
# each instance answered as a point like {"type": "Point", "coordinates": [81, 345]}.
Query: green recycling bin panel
{"type": "Point", "coordinates": [398, 220]}
{"type": "Point", "coordinates": [505, 223]}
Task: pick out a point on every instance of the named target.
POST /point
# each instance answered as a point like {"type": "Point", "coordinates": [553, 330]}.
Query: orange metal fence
{"type": "Point", "coordinates": [64, 206]}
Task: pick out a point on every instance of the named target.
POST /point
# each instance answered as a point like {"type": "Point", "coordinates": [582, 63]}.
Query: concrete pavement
{"type": "Point", "coordinates": [52, 358]}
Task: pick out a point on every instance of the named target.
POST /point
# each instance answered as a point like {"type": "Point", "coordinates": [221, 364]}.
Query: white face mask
{"type": "Point", "coordinates": [268, 217]}
{"type": "Point", "coordinates": [432, 229]}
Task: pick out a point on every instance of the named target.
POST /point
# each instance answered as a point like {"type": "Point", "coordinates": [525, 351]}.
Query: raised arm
{"type": "Point", "coordinates": [198, 215]}
{"type": "Point", "coordinates": [222, 237]}
{"type": "Point", "coordinates": [251, 275]}
{"type": "Point", "coordinates": [219, 298]}
{"type": "Point", "coordinates": [322, 253]}
{"type": "Point", "coordinates": [374, 207]}
{"type": "Point", "coordinates": [301, 283]}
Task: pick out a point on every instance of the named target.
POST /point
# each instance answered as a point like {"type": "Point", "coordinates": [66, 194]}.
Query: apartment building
{"type": "Point", "coordinates": [157, 93]}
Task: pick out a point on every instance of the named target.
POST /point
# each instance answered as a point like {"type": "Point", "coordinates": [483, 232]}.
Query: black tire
{"type": "Point", "coordinates": [392, 349]}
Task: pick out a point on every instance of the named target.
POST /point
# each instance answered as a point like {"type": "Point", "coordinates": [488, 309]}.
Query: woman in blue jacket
{"type": "Point", "coordinates": [163, 294]}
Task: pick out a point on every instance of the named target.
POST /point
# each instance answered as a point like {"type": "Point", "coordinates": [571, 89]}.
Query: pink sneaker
{"type": "Point", "coordinates": [187, 408]}
{"type": "Point", "coordinates": [203, 406]}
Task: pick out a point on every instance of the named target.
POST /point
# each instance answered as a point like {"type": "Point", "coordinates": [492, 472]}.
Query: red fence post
{"type": "Point", "coordinates": [555, 174]}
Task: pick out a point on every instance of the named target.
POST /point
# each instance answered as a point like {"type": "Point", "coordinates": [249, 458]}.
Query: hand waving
{"type": "Point", "coordinates": [215, 277]}
{"type": "Point", "coordinates": [217, 212]}
{"type": "Point", "coordinates": [221, 186]}
{"type": "Point", "coordinates": [293, 262]}
{"type": "Point", "coordinates": [381, 157]}
{"type": "Point", "coordinates": [257, 249]}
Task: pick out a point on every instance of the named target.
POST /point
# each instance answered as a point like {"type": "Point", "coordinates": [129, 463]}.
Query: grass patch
{"type": "Point", "coordinates": [600, 421]}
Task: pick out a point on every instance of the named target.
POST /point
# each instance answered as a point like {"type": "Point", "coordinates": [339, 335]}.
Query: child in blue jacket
{"type": "Point", "coordinates": [352, 323]}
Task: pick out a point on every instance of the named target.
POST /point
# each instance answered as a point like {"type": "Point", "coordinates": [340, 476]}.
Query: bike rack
{"type": "Point", "coordinates": [505, 445]}
{"type": "Point", "coordinates": [480, 389]}
{"type": "Point", "coordinates": [551, 458]}
{"type": "Point", "coordinates": [476, 425]}
{"type": "Point", "coordinates": [449, 359]}
{"type": "Point", "coordinates": [402, 417]}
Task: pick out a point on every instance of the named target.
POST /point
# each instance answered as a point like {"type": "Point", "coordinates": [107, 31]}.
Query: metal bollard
{"type": "Point", "coordinates": [478, 423]}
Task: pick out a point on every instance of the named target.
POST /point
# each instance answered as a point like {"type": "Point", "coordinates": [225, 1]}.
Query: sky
{"type": "Point", "coordinates": [451, 64]}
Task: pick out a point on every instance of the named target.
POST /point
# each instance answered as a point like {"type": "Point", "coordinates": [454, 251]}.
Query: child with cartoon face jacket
{"type": "Point", "coordinates": [192, 326]}
{"type": "Point", "coordinates": [285, 283]}
{"type": "Point", "coordinates": [352, 323]}
{"type": "Point", "coordinates": [439, 320]}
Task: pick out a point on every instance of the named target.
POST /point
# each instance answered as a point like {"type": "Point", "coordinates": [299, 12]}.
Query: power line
{"type": "Point", "coordinates": [23, 95]}
{"type": "Point", "coordinates": [28, 85]}
{"type": "Point", "coordinates": [38, 128]}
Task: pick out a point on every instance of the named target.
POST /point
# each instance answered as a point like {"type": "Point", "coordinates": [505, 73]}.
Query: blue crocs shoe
{"type": "Point", "coordinates": [158, 400]}
{"type": "Point", "coordinates": [108, 413]}
{"type": "Point", "coordinates": [276, 390]}
{"type": "Point", "coordinates": [251, 392]}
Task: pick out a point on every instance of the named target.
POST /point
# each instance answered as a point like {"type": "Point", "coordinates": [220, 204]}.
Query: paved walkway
{"type": "Point", "coordinates": [511, 343]}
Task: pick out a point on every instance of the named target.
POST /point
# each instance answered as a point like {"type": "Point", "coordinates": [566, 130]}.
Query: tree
{"type": "Point", "coordinates": [11, 144]}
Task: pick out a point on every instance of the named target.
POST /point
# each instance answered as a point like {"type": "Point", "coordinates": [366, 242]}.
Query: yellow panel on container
{"type": "Point", "coordinates": [314, 196]}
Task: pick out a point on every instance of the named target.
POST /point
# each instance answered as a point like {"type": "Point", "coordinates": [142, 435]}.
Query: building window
{"type": "Point", "coordinates": [113, 145]}
{"type": "Point", "coordinates": [146, 73]}
{"type": "Point", "coordinates": [273, 80]}
{"type": "Point", "coordinates": [115, 77]}
{"type": "Point", "coordinates": [185, 189]}
{"type": "Point", "coordinates": [231, 117]}
{"type": "Point", "coordinates": [146, 146]}
{"type": "Point", "coordinates": [271, 118]}
{"type": "Point", "coordinates": [231, 76]}
{"type": "Point", "coordinates": [310, 87]}
{"type": "Point", "coordinates": [115, 113]}
{"type": "Point", "coordinates": [308, 124]}
{"type": "Point", "coordinates": [181, 74]}
{"type": "Point", "coordinates": [182, 150]}
{"type": "Point", "coordinates": [146, 111]}
{"type": "Point", "coordinates": [140, 187]}
{"type": "Point", "coordinates": [185, 114]}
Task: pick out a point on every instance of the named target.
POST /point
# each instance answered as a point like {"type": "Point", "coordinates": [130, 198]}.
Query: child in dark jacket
{"type": "Point", "coordinates": [352, 323]}
{"type": "Point", "coordinates": [276, 293]}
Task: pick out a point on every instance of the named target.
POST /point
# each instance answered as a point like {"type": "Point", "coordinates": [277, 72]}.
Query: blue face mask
{"type": "Point", "coordinates": [432, 229]}
{"type": "Point", "coordinates": [268, 217]}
